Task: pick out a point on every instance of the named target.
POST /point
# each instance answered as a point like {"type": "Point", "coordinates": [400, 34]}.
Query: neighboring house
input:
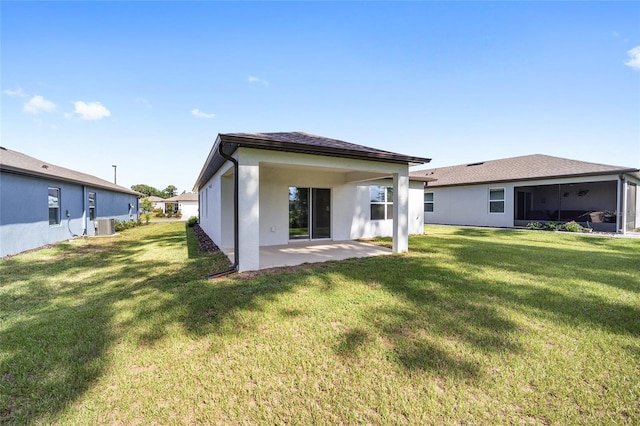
{"type": "Point", "coordinates": [186, 203]}
{"type": "Point", "coordinates": [533, 188]}
{"type": "Point", "coordinates": [298, 187]}
{"type": "Point", "coordinates": [158, 203]}
{"type": "Point", "coordinates": [41, 203]}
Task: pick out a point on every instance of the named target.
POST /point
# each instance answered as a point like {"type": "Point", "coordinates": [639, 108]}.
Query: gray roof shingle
{"type": "Point", "coordinates": [305, 142]}
{"type": "Point", "coordinates": [187, 196]}
{"type": "Point", "coordinates": [528, 167]}
{"type": "Point", "coordinates": [17, 162]}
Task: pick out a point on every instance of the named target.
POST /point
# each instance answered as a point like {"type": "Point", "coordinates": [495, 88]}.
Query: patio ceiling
{"type": "Point", "coordinates": [350, 175]}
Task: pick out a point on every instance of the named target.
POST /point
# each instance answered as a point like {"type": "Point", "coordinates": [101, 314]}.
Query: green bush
{"type": "Point", "coordinates": [192, 220]}
{"type": "Point", "coordinates": [572, 227]}
{"type": "Point", "coordinates": [158, 212]}
{"type": "Point", "coordinates": [552, 226]}
{"type": "Point", "coordinates": [126, 224]}
{"type": "Point", "coordinates": [535, 225]}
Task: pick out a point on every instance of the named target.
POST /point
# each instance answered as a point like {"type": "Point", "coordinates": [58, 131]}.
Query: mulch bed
{"type": "Point", "coordinates": [205, 244]}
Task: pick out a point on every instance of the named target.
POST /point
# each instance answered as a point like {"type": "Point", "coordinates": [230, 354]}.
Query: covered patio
{"type": "Point", "coordinates": [314, 252]}
{"type": "Point", "coordinates": [282, 199]}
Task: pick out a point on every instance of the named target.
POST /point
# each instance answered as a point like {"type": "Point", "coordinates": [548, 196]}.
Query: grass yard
{"type": "Point", "coordinates": [472, 326]}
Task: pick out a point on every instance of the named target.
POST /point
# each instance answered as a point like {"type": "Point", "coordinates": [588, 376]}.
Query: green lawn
{"type": "Point", "coordinates": [472, 326]}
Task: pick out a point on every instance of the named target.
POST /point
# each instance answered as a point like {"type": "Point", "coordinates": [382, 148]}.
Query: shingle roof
{"type": "Point", "coordinates": [527, 167]}
{"type": "Point", "coordinates": [294, 140]}
{"type": "Point", "coordinates": [17, 162]}
{"type": "Point", "coordinates": [187, 196]}
{"type": "Point", "coordinates": [299, 142]}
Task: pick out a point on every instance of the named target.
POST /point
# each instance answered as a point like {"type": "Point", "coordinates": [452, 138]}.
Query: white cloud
{"type": "Point", "coordinates": [91, 110]}
{"type": "Point", "coordinates": [38, 104]}
{"type": "Point", "coordinates": [259, 80]}
{"type": "Point", "coordinates": [197, 113]}
{"type": "Point", "coordinates": [634, 58]}
{"type": "Point", "coordinates": [18, 92]}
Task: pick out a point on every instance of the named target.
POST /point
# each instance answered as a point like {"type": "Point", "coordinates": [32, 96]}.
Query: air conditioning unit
{"type": "Point", "coordinates": [105, 226]}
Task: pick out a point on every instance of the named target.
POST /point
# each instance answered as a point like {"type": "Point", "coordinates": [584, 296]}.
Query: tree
{"type": "Point", "coordinates": [146, 205]}
{"type": "Point", "coordinates": [147, 190]}
{"type": "Point", "coordinates": [170, 191]}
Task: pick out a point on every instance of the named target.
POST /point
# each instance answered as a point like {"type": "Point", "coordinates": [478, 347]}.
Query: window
{"type": "Point", "coordinates": [54, 206]}
{"type": "Point", "coordinates": [428, 202]}
{"type": "Point", "coordinates": [92, 206]}
{"type": "Point", "coordinates": [496, 200]}
{"type": "Point", "coordinates": [381, 198]}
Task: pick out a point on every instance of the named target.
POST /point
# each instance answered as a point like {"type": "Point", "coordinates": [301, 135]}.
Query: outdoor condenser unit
{"type": "Point", "coordinates": [105, 226]}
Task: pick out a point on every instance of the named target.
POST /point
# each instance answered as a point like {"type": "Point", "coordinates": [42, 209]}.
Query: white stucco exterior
{"type": "Point", "coordinates": [264, 180]}
{"type": "Point", "coordinates": [188, 209]}
{"type": "Point", "coordinates": [632, 209]}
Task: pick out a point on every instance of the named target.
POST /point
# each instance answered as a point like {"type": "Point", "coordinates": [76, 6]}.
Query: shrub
{"type": "Point", "coordinates": [535, 225]}
{"type": "Point", "coordinates": [573, 227]}
{"type": "Point", "coordinates": [552, 226]}
{"type": "Point", "coordinates": [178, 214]}
{"type": "Point", "coordinates": [158, 212]}
{"type": "Point", "coordinates": [147, 218]}
{"type": "Point", "coordinates": [192, 220]}
{"type": "Point", "coordinates": [126, 224]}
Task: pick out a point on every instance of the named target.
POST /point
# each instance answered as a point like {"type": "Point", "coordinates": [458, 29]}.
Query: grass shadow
{"type": "Point", "coordinates": [59, 313]}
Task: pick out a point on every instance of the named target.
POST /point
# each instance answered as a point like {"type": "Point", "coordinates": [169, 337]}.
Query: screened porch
{"type": "Point", "coordinates": [591, 204]}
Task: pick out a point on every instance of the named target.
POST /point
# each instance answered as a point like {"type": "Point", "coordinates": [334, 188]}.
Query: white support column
{"type": "Point", "coordinates": [249, 220]}
{"type": "Point", "coordinates": [401, 212]}
{"type": "Point", "coordinates": [622, 205]}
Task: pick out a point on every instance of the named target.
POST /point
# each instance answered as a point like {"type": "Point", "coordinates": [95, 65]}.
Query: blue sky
{"type": "Point", "coordinates": [148, 85]}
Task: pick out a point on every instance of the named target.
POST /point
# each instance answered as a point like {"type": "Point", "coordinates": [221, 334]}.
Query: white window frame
{"type": "Point", "coordinates": [431, 202]}
{"type": "Point", "coordinates": [497, 200]}
{"type": "Point", "coordinates": [57, 207]}
{"type": "Point", "coordinates": [388, 204]}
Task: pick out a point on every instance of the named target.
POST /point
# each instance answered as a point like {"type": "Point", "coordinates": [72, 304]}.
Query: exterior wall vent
{"type": "Point", "coordinates": [105, 226]}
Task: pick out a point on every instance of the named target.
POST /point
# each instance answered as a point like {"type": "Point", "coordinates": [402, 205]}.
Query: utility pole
{"type": "Point", "coordinates": [114, 173]}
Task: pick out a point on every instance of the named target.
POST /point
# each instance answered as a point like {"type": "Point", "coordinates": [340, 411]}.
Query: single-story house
{"type": "Point", "coordinates": [186, 203]}
{"type": "Point", "coordinates": [41, 203]}
{"type": "Point", "coordinates": [513, 192]}
{"type": "Point", "coordinates": [267, 189]}
{"type": "Point", "coordinates": [157, 202]}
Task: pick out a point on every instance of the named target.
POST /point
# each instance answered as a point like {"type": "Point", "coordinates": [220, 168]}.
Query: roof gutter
{"type": "Point", "coordinates": [236, 250]}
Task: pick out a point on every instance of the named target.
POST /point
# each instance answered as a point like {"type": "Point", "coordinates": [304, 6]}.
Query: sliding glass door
{"type": "Point", "coordinates": [298, 213]}
{"type": "Point", "coordinates": [309, 213]}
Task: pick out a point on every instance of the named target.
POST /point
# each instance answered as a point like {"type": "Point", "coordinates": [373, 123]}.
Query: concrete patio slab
{"type": "Point", "coordinates": [297, 253]}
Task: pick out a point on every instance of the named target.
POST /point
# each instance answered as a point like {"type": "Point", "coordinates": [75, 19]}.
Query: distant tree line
{"type": "Point", "coordinates": [147, 190]}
